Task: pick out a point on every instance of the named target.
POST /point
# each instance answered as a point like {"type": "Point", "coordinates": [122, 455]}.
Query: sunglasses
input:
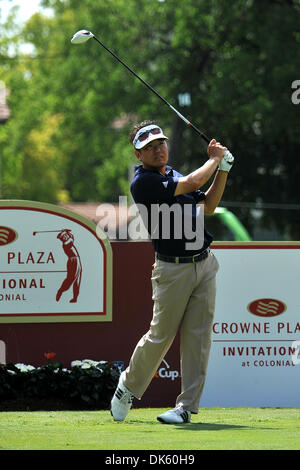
{"type": "Point", "coordinates": [145, 134]}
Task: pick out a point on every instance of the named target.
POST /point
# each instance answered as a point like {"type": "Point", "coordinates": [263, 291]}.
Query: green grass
{"type": "Point", "coordinates": [211, 429]}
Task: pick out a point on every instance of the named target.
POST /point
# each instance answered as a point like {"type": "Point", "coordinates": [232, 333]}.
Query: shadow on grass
{"type": "Point", "coordinates": [208, 426]}
{"type": "Point", "coordinates": [191, 426]}
{"type": "Point", "coordinates": [212, 427]}
{"type": "Point", "coordinates": [194, 426]}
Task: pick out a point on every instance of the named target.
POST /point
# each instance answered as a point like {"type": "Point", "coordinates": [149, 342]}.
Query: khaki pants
{"type": "Point", "coordinates": [184, 297]}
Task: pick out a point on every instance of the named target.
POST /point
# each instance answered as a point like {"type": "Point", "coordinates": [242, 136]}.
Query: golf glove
{"type": "Point", "coordinates": [227, 161]}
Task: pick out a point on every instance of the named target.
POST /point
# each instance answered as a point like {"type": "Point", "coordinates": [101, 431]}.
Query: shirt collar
{"type": "Point", "coordinates": [141, 169]}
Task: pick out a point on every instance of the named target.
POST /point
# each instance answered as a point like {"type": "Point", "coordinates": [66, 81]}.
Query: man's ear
{"type": "Point", "coordinates": [137, 154]}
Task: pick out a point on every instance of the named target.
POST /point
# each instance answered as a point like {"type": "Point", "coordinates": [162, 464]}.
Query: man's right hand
{"type": "Point", "coordinates": [215, 150]}
{"type": "Point", "coordinates": [196, 179]}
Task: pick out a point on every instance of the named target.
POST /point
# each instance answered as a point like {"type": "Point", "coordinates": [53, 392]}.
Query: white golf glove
{"type": "Point", "coordinates": [226, 162]}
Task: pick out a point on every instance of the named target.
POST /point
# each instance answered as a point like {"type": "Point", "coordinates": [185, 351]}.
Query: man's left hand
{"type": "Point", "coordinates": [226, 162]}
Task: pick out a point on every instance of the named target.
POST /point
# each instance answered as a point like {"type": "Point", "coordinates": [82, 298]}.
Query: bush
{"type": "Point", "coordinates": [88, 383]}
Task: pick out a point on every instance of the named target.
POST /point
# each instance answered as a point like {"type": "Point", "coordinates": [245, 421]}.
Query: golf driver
{"type": "Point", "coordinates": [83, 35]}
{"type": "Point", "coordinates": [48, 231]}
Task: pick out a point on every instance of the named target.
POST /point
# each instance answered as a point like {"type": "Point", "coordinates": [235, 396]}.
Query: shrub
{"type": "Point", "coordinates": [88, 383]}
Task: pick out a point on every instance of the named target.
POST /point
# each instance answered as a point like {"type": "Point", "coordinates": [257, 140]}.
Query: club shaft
{"type": "Point", "coordinates": [47, 231]}
{"type": "Point", "coordinates": [204, 137]}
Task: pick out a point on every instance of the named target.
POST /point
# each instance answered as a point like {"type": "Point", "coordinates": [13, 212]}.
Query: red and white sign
{"type": "Point", "coordinates": [53, 266]}
{"type": "Point", "coordinates": [266, 307]}
{"type": "Point", "coordinates": [256, 327]}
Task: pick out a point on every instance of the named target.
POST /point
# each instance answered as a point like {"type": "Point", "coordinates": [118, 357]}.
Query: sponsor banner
{"type": "Point", "coordinates": [53, 266]}
{"type": "Point", "coordinates": [255, 351]}
{"type": "Point", "coordinates": [165, 371]}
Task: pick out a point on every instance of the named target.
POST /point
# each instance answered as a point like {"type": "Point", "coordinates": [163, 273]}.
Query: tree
{"type": "Point", "coordinates": [245, 54]}
{"type": "Point", "coordinates": [237, 60]}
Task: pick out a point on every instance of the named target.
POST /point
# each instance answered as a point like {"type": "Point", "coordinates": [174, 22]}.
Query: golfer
{"type": "Point", "coordinates": [184, 273]}
{"type": "Point", "coordinates": [74, 268]}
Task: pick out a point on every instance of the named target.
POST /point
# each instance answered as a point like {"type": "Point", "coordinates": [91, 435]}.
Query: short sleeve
{"type": "Point", "coordinates": [153, 187]}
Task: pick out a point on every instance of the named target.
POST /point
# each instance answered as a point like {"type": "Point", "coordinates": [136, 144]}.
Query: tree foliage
{"type": "Point", "coordinates": [73, 106]}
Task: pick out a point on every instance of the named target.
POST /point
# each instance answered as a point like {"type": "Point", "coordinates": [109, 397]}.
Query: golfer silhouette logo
{"type": "Point", "coordinates": [74, 268]}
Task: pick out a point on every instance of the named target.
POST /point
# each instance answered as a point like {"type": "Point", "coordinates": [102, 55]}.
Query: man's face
{"type": "Point", "coordinates": [154, 156]}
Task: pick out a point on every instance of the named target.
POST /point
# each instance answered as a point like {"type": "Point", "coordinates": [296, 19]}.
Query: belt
{"type": "Point", "coordinates": [184, 259]}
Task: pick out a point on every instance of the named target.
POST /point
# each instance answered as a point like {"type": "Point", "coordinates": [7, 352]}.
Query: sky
{"type": "Point", "coordinates": [27, 8]}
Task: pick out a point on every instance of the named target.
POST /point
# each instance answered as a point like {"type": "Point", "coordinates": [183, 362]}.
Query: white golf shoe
{"type": "Point", "coordinates": [121, 402]}
{"type": "Point", "coordinates": [177, 415]}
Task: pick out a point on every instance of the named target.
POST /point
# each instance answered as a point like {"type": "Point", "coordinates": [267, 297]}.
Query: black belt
{"type": "Point", "coordinates": [183, 259]}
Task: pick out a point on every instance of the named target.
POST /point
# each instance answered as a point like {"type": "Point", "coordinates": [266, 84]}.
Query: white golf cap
{"type": "Point", "coordinates": [147, 134]}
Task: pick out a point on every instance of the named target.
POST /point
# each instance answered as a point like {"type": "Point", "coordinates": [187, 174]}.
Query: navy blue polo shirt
{"type": "Point", "coordinates": [153, 192]}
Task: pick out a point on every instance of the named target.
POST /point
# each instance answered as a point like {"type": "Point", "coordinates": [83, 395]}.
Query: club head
{"type": "Point", "coordinates": [81, 36]}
